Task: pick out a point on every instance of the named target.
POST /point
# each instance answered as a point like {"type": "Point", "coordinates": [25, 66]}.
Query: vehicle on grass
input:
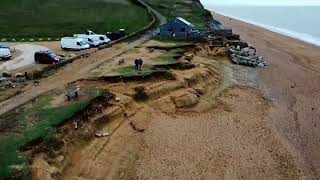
{"type": "Point", "coordinates": [76, 44]}
{"type": "Point", "coordinates": [5, 52]}
{"type": "Point", "coordinates": [116, 35]}
{"type": "Point", "coordinates": [102, 39]}
{"type": "Point", "coordinates": [47, 57]}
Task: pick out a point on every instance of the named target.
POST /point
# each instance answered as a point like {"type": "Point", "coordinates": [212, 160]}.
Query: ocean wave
{"type": "Point", "coordinates": [291, 33]}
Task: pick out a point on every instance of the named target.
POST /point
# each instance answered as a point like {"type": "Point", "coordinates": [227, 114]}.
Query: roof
{"type": "Point", "coordinates": [185, 21]}
{"type": "Point", "coordinates": [181, 20]}
{"type": "Point", "coordinates": [3, 46]}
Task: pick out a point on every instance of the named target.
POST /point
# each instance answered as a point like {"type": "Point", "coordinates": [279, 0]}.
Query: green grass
{"type": "Point", "coordinates": [130, 71]}
{"type": "Point", "coordinates": [170, 44]}
{"type": "Point", "coordinates": [168, 58]}
{"type": "Point", "coordinates": [57, 18]}
{"type": "Point", "coordinates": [192, 12]}
{"type": "Point", "coordinates": [37, 120]}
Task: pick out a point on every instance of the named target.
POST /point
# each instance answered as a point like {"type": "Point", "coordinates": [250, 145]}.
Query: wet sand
{"type": "Point", "coordinates": [293, 81]}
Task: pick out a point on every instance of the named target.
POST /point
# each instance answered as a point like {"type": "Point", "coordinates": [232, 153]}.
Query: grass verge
{"type": "Point", "coordinates": [35, 120]}
{"type": "Point", "coordinates": [56, 18]}
{"type": "Point", "coordinates": [130, 71]}
{"type": "Point", "coordinates": [192, 10]}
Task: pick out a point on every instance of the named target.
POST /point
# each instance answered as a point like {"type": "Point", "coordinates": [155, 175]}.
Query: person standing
{"type": "Point", "coordinates": [140, 62]}
{"type": "Point", "coordinates": [136, 62]}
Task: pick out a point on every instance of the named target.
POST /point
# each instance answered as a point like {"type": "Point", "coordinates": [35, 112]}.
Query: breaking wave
{"type": "Point", "coordinates": [297, 35]}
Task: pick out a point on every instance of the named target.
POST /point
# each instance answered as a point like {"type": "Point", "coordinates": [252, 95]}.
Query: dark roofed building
{"type": "Point", "coordinates": [178, 28]}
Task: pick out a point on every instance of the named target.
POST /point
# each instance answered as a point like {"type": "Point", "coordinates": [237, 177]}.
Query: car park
{"type": "Point", "coordinates": [47, 57]}
{"type": "Point", "coordinates": [5, 52]}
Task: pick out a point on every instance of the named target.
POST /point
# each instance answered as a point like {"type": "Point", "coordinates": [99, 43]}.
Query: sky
{"type": "Point", "coordinates": [263, 2]}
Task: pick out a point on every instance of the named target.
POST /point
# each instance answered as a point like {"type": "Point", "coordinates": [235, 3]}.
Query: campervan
{"type": "Point", "coordinates": [71, 43]}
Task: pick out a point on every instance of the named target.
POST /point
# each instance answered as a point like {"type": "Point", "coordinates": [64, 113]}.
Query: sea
{"type": "Point", "coordinates": [300, 22]}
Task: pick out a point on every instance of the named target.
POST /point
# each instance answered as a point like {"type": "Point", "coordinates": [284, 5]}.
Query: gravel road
{"type": "Point", "coordinates": [24, 59]}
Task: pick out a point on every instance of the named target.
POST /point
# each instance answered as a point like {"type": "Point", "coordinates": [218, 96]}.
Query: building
{"type": "Point", "coordinates": [178, 28]}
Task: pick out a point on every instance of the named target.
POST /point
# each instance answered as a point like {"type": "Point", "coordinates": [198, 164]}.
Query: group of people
{"type": "Point", "coordinates": [138, 64]}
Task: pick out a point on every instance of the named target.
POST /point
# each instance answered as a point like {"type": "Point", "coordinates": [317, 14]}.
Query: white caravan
{"type": "Point", "coordinates": [5, 53]}
{"type": "Point", "coordinates": [103, 39]}
{"type": "Point", "coordinates": [71, 43]}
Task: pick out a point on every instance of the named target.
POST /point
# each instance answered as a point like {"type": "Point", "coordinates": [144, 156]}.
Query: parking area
{"type": "Point", "coordinates": [23, 59]}
{"type": "Point", "coordinates": [23, 55]}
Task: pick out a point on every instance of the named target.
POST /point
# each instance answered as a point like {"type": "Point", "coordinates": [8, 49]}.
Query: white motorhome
{"type": "Point", "coordinates": [103, 39]}
{"type": "Point", "coordinates": [5, 53]}
{"type": "Point", "coordinates": [71, 43]}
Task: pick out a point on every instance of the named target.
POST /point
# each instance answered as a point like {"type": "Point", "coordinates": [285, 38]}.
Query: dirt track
{"type": "Point", "coordinates": [71, 72]}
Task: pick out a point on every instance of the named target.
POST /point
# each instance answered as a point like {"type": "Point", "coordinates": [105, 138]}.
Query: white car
{"type": "Point", "coordinates": [103, 39]}
{"type": "Point", "coordinates": [93, 41]}
{"type": "Point", "coordinates": [5, 53]}
{"type": "Point", "coordinates": [71, 43]}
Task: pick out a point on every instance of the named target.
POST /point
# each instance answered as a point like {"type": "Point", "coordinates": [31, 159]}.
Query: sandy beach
{"type": "Point", "coordinates": [293, 81]}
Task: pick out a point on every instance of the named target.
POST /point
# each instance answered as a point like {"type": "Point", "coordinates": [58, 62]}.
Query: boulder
{"type": "Point", "coordinates": [200, 90]}
{"type": "Point", "coordinates": [185, 99]}
{"type": "Point", "coordinates": [41, 170]}
{"type": "Point", "coordinates": [165, 104]}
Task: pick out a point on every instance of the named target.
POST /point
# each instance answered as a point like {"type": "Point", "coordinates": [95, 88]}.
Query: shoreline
{"type": "Point", "coordinates": [292, 80]}
{"type": "Point", "coordinates": [314, 42]}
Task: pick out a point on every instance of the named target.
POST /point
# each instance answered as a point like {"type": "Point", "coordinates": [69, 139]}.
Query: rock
{"type": "Point", "coordinates": [185, 99]}
{"type": "Point", "coordinates": [6, 74]}
{"type": "Point", "coordinates": [200, 90]}
{"type": "Point", "coordinates": [260, 65]}
{"type": "Point", "coordinates": [165, 104]}
{"type": "Point", "coordinates": [41, 170]}
{"type": "Point", "coordinates": [105, 134]}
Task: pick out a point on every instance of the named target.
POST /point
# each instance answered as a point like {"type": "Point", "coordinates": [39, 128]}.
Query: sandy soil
{"type": "Point", "coordinates": [293, 81]}
{"type": "Point", "coordinates": [204, 125]}
{"type": "Point", "coordinates": [233, 141]}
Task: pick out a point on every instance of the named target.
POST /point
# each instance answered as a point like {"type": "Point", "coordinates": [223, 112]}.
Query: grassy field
{"type": "Point", "coordinates": [57, 18]}
{"type": "Point", "coordinates": [26, 124]}
{"type": "Point", "coordinates": [191, 10]}
{"type": "Point", "coordinates": [168, 58]}
{"type": "Point", "coordinates": [130, 71]}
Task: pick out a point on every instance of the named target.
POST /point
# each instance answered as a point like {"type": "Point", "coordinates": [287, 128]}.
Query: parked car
{"type": "Point", "coordinates": [71, 43]}
{"type": "Point", "coordinates": [47, 57]}
{"type": "Point", "coordinates": [116, 35]}
{"type": "Point", "coordinates": [91, 40]}
{"type": "Point", "coordinates": [5, 52]}
{"type": "Point", "coordinates": [4, 46]}
{"type": "Point", "coordinates": [102, 39]}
